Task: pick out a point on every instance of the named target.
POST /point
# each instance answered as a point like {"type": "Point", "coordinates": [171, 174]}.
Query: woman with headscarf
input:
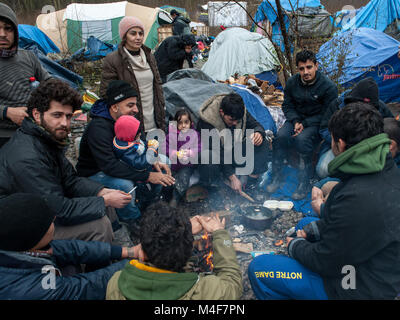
{"type": "Point", "coordinates": [134, 63]}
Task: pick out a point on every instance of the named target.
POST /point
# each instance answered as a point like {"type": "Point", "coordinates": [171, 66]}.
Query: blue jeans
{"type": "Point", "coordinates": [129, 212]}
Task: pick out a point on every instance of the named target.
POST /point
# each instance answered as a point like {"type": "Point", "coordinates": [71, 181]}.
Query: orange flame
{"type": "Point", "coordinates": [210, 254]}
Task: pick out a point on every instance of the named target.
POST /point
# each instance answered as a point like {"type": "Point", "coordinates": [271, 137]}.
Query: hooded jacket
{"type": "Point", "coordinates": [117, 66]}
{"type": "Point", "coordinates": [22, 275]}
{"type": "Point", "coordinates": [15, 73]}
{"type": "Point", "coordinates": [138, 281]}
{"type": "Point", "coordinates": [181, 25]}
{"type": "Point", "coordinates": [171, 54]}
{"type": "Point", "coordinates": [209, 119]}
{"type": "Point", "coordinates": [96, 151]}
{"type": "Point", "coordinates": [360, 225]}
{"type": "Point", "coordinates": [33, 162]}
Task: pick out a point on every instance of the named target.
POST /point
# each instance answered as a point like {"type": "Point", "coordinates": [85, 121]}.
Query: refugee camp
{"type": "Point", "coordinates": [200, 150]}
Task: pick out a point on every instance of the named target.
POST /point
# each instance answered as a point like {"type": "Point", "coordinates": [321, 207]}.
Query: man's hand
{"type": "Point", "coordinates": [104, 191]}
{"type": "Point", "coordinates": [317, 198]}
{"type": "Point", "coordinates": [211, 224]}
{"type": "Point", "coordinates": [160, 178]}
{"type": "Point", "coordinates": [256, 138]}
{"type": "Point", "coordinates": [17, 114]}
{"type": "Point", "coordinates": [196, 224]}
{"type": "Point", "coordinates": [117, 199]}
{"type": "Point", "coordinates": [298, 128]}
{"type": "Point", "coordinates": [135, 252]}
{"type": "Point", "coordinates": [160, 167]}
{"type": "Point", "coordinates": [236, 185]}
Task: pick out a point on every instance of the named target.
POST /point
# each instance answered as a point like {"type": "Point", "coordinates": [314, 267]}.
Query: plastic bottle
{"type": "Point", "coordinates": [33, 83]}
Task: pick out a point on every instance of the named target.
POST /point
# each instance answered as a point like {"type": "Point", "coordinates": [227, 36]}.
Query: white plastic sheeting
{"type": "Point", "coordinates": [237, 50]}
{"type": "Point", "coordinates": [227, 14]}
{"type": "Point", "coordinates": [95, 12]}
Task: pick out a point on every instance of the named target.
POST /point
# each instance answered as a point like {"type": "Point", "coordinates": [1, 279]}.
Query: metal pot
{"type": "Point", "coordinates": [258, 217]}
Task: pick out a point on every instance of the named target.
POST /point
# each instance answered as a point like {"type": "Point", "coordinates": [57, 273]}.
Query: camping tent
{"type": "Point", "coordinates": [30, 35]}
{"type": "Point", "coordinates": [377, 14]}
{"type": "Point", "coordinates": [71, 27]}
{"type": "Point", "coordinates": [237, 50]}
{"type": "Point", "coordinates": [365, 52]}
{"type": "Point", "coordinates": [313, 19]}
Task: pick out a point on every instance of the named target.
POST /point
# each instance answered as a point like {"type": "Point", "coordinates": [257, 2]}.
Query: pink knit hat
{"type": "Point", "coordinates": [127, 23]}
{"type": "Point", "coordinates": [126, 128]}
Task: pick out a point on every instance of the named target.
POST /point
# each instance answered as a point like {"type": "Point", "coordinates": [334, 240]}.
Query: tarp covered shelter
{"type": "Point", "coordinates": [71, 27]}
{"type": "Point", "coordinates": [378, 15]}
{"type": "Point", "coordinates": [364, 52]}
{"type": "Point", "coordinates": [31, 35]}
{"type": "Point", "coordinates": [313, 19]}
{"type": "Point", "coordinates": [237, 50]}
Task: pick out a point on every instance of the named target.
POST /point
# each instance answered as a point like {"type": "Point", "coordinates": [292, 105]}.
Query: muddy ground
{"type": "Point", "coordinates": [232, 205]}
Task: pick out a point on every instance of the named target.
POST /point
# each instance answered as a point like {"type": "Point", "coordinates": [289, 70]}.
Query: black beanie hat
{"type": "Point", "coordinates": [119, 90]}
{"type": "Point", "coordinates": [24, 220]}
{"type": "Point", "coordinates": [366, 91]}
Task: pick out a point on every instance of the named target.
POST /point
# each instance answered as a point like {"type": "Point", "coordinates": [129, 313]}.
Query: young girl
{"type": "Point", "coordinates": [183, 146]}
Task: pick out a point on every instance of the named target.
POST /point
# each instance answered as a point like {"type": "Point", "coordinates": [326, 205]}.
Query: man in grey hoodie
{"type": "Point", "coordinates": [17, 66]}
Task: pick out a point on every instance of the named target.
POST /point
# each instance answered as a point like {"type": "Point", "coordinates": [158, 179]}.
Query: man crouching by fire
{"type": "Point", "coordinates": [166, 237]}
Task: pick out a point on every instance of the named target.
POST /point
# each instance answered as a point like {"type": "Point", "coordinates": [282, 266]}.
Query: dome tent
{"type": "Point", "coordinates": [237, 50]}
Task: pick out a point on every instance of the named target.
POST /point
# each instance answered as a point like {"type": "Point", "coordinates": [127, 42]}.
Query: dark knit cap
{"type": "Point", "coordinates": [119, 90]}
{"type": "Point", "coordinates": [366, 91]}
{"type": "Point", "coordinates": [189, 40]}
{"type": "Point", "coordinates": [24, 220]}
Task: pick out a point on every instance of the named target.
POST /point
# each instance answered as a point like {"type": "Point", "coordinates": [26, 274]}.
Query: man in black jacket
{"type": "Point", "coordinates": [239, 152]}
{"type": "Point", "coordinates": [181, 25]}
{"type": "Point", "coordinates": [96, 156]}
{"type": "Point", "coordinates": [307, 95]}
{"type": "Point", "coordinates": [172, 53]}
{"type": "Point", "coordinates": [33, 161]}
{"type": "Point", "coordinates": [352, 252]}
{"type": "Point", "coordinates": [366, 90]}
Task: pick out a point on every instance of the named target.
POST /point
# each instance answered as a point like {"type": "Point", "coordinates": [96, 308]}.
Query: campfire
{"type": "Point", "coordinates": [203, 254]}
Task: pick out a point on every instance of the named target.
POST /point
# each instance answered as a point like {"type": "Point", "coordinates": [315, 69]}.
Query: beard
{"type": "Point", "coordinates": [58, 134]}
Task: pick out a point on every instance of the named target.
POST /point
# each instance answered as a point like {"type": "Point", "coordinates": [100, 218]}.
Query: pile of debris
{"type": "Point", "coordinates": [269, 94]}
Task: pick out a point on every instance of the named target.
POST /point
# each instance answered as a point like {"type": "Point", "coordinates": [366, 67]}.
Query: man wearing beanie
{"type": "Point", "coordinates": [172, 53]}
{"type": "Point", "coordinates": [367, 91]}
{"type": "Point", "coordinates": [181, 25]}
{"type": "Point", "coordinates": [16, 67]}
{"type": "Point", "coordinates": [33, 265]}
{"type": "Point", "coordinates": [97, 159]}
{"type": "Point", "coordinates": [134, 63]}
{"type": "Point", "coordinates": [33, 161]}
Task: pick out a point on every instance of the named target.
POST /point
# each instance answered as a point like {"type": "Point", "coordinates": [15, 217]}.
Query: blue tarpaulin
{"type": "Point", "coordinates": [256, 107]}
{"type": "Point", "coordinates": [266, 12]}
{"type": "Point", "coordinates": [95, 50]}
{"type": "Point", "coordinates": [30, 35]}
{"type": "Point", "coordinates": [368, 53]}
{"type": "Point", "coordinates": [377, 14]}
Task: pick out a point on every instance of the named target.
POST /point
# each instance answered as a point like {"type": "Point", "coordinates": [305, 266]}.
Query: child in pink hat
{"type": "Point", "coordinates": [129, 148]}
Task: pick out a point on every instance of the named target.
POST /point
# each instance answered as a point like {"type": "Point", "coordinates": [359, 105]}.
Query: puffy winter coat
{"type": "Point", "coordinates": [25, 277]}
{"type": "Point", "coordinates": [33, 162]}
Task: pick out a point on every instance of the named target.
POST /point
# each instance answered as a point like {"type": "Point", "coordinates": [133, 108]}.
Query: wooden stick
{"type": "Point", "coordinates": [245, 195]}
